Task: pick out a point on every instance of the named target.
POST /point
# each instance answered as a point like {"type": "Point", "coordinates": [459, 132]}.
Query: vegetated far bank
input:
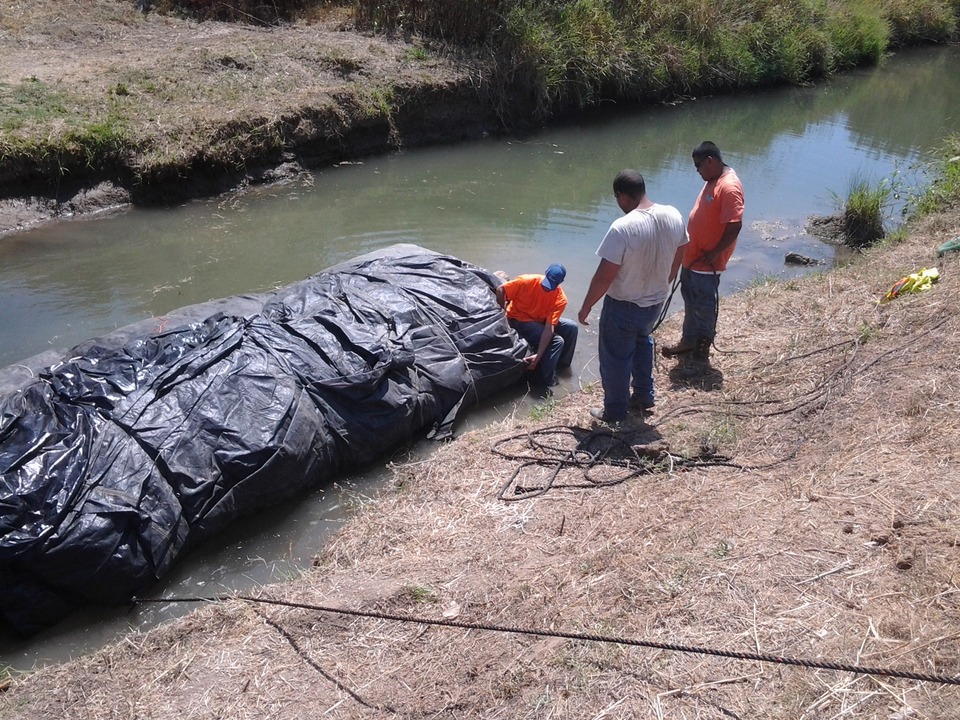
{"type": "Point", "coordinates": [801, 502]}
{"type": "Point", "coordinates": [101, 104]}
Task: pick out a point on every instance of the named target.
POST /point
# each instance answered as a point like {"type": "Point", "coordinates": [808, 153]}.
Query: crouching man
{"type": "Point", "coordinates": [534, 305]}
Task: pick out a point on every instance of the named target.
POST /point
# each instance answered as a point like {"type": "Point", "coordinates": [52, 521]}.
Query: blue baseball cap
{"type": "Point", "coordinates": [553, 276]}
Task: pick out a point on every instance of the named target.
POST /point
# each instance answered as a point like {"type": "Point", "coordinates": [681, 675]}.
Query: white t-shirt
{"type": "Point", "coordinates": [643, 243]}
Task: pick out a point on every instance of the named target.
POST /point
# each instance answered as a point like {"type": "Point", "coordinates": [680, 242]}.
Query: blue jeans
{"type": "Point", "coordinates": [699, 291]}
{"type": "Point", "coordinates": [626, 354]}
{"type": "Point", "coordinates": [559, 352]}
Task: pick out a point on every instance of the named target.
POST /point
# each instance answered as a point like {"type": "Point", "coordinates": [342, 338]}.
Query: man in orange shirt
{"type": "Point", "coordinates": [534, 304]}
{"type": "Point", "coordinates": [713, 227]}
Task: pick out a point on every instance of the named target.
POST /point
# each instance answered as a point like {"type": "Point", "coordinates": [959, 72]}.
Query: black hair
{"type": "Point", "coordinates": [706, 149]}
{"type": "Point", "coordinates": [630, 182]}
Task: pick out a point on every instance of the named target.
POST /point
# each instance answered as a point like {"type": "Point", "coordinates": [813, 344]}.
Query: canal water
{"type": "Point", "coordinates": [512, 204]}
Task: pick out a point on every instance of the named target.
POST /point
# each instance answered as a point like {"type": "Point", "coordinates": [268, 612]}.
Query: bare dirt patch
{"type": "Point", "coordinates": [807, 507]}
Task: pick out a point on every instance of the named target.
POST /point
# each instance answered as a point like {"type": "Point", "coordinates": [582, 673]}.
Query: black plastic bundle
{"type": "Point", "coordinates": [134, 446]}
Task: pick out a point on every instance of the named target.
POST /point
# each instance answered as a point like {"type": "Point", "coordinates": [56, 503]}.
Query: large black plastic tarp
{"type": "Point", "coordinates": [135, 446]}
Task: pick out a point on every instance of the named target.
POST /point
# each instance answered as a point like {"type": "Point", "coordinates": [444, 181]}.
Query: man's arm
{"type": "Point", "coordinates": [545, 337]}
{"type": "Point", "coordinates": [677, 262]}
{"type": "Point", "coordinates": [599, 284]}
{"type": "Point", "coordinates": [730, 232]}
{"type": "Point", "coordinates": [501, 296]}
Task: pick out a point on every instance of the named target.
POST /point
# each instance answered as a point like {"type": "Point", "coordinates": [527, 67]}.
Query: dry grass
{"type": "Point", "coordinates": [831, 534]}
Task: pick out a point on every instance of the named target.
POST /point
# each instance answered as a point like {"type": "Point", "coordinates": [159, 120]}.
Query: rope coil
{"type": "Point", "coordinates": [601, 457]}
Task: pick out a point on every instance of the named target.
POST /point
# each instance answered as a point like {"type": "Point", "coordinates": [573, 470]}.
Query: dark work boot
{"type": "Point", "coordinates": [681, 348]}
{"type": "Point", "coordinates": [701, 350]}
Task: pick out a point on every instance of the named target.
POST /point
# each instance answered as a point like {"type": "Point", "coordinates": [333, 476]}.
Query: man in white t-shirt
{"type": "Point", "coordinates": [639, 259]}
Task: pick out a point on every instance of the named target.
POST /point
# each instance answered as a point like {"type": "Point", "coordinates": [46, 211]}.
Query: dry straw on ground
{"type": "Point", "coordinates": [819, 522]}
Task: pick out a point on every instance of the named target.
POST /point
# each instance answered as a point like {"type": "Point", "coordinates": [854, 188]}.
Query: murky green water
{"type": "Point", "coordinates": [505, 204]}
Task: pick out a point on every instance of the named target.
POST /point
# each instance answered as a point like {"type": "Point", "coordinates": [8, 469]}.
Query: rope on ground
{"type": "Point", "coordinates": [599, 457]}
{"type": "Point", "coordinates": [316, 666]}
{"type": "Point", "coordinates": [586, 637]}
{"type": "Point", "coordinates": [604, 458]}
{"type": "Point", "coordinates": [574, 457]}
{"type": "Point", "coordinates": [835, 378]}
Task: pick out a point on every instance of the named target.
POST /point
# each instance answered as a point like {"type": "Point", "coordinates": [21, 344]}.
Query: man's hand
{"type": "Point", "coordinates": [730, 232]}
{"type": "Point", "coordinates": [531, 361]}
{"type": "Point", "coordinates": [710, 258]}
{"type": "Point", "coordinates": [599, 284]}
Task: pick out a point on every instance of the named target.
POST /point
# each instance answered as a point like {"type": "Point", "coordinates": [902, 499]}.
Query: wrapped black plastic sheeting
{"type": "Point", "coordinates": [131, 448]}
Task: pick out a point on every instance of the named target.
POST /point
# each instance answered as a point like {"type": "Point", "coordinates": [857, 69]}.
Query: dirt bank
{"type": "Point", "coordinates": [214, 106]}
{"type": "Point", "coordinates": [807, 508]}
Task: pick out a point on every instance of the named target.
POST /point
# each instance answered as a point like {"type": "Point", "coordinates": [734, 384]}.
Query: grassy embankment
{"type": "Point", "coordinates": [529, 59]}
{"type": "Point", "coordinates": [577, 53]}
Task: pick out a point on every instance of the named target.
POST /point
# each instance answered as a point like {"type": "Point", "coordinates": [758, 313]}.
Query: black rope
{"type": "Point", "coordinates": [592, 452]}
{"type": "Point", "coordinates": [666, 304]}
{"type": "Point", "coordinates": [316, 666]}
{"type": "Point", "coordinates": [587, 637]}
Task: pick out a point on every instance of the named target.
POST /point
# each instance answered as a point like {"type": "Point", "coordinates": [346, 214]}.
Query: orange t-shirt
{"type": "Point", "coordinates": [529, 302]}
{"type": "Point", "coordinates": [719, 202]}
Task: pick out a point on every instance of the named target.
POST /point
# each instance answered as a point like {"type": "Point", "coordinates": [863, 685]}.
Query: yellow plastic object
{"type": "Point", "coordinates": [917, 282]}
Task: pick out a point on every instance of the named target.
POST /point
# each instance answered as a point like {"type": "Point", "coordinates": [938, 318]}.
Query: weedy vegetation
{"type": "Point", "coordinates": [864, 212]}
{"type": "Point", "coordinates": [944, 190]}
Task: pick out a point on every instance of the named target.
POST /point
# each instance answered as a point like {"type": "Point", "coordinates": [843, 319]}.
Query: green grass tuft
{"type": "Point", "coordinates": [864, 211]}
{"type": "Point", "coordinates": [31, 101]}
{"type": "Point", "coordinates": [542, 409]}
